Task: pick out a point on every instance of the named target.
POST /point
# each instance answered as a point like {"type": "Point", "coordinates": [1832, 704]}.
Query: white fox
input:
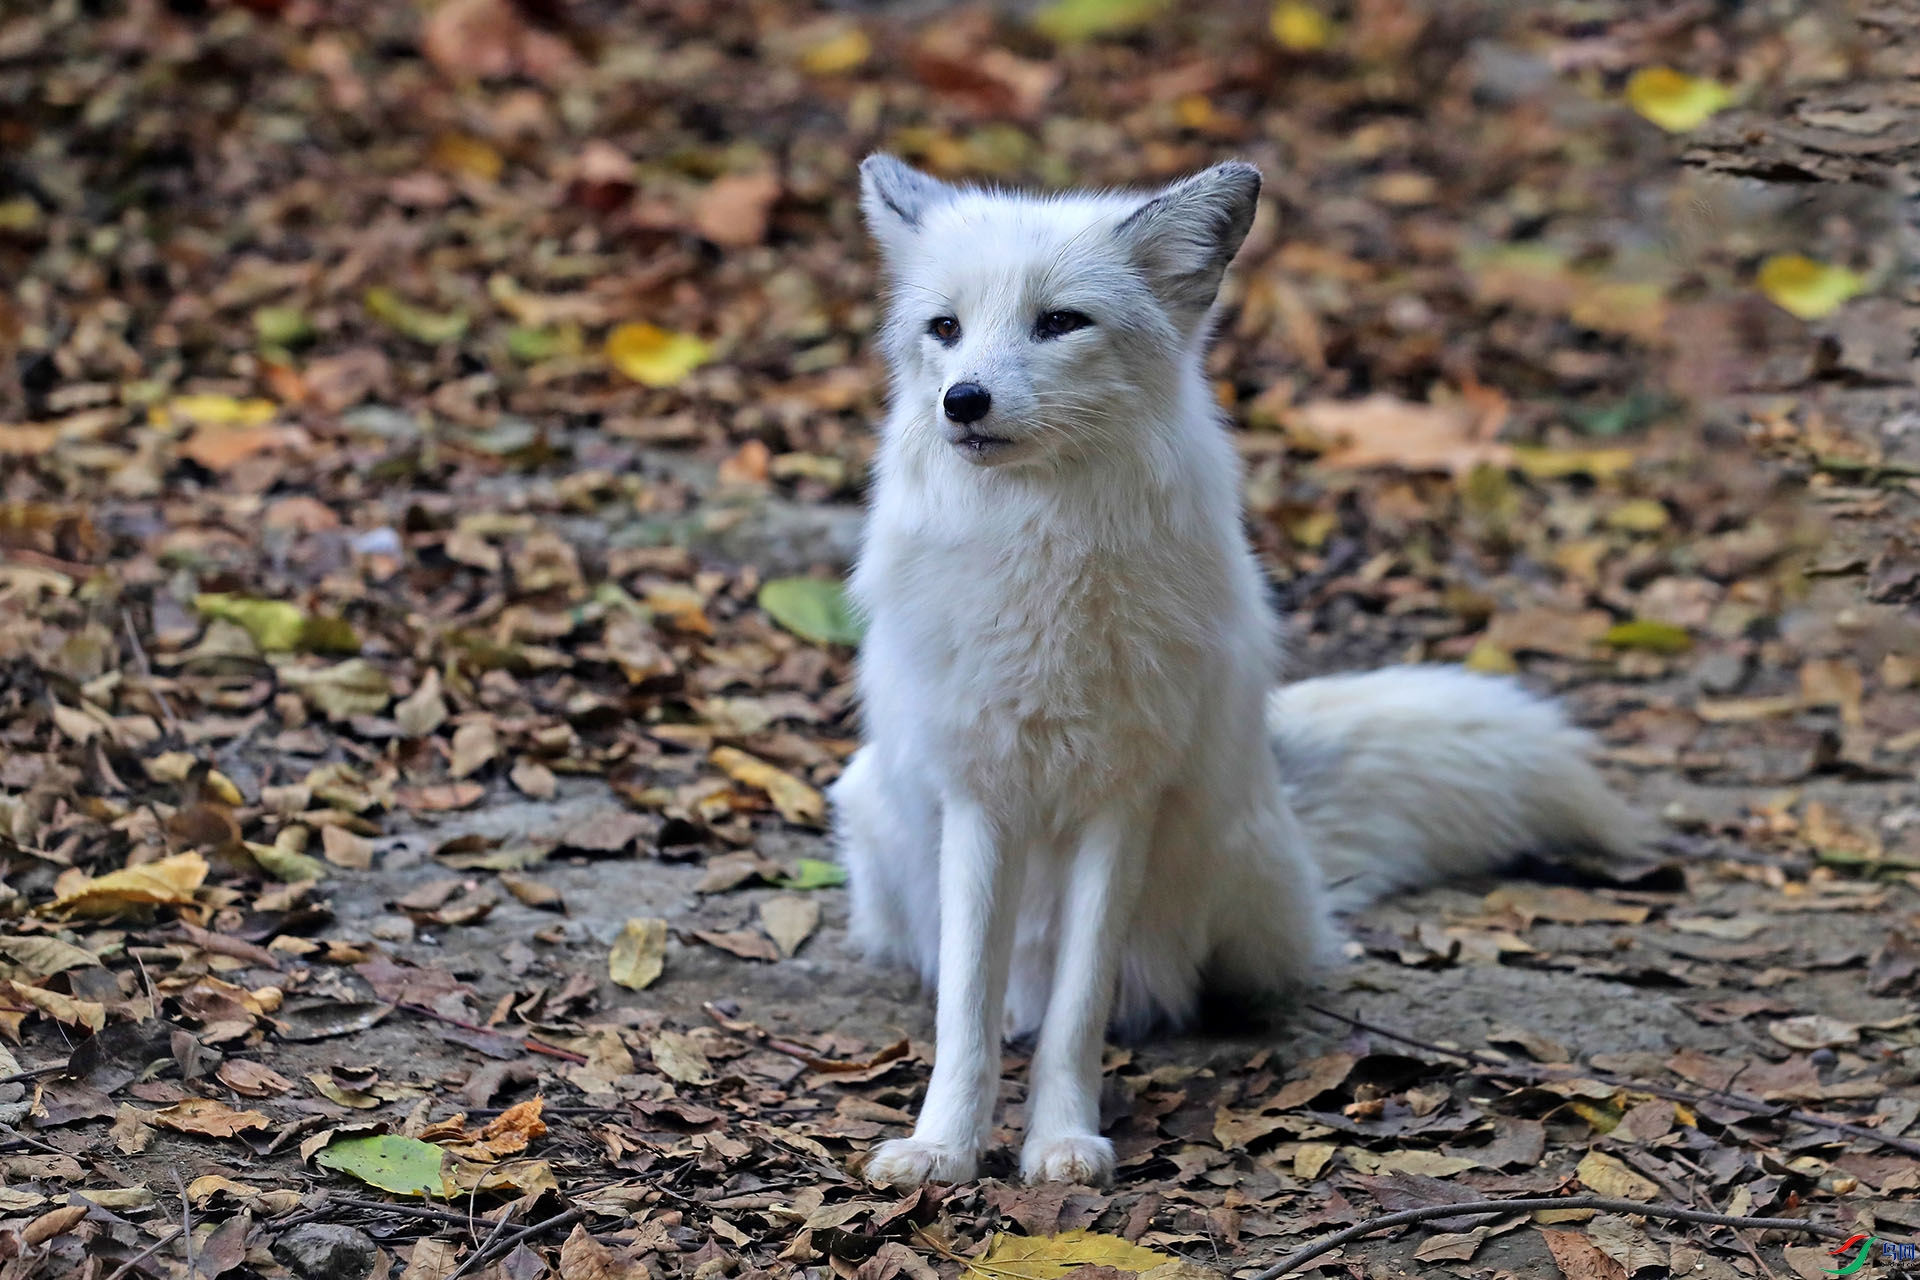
{"type": "Point", "coordinates": [1081, 798]}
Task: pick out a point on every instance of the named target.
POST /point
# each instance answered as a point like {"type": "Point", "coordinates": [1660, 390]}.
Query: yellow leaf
{"type": "Point", "coordinates": [1071, 21]}
{"type": "Point", "coordinates": [639, 954]}
{"type": "Point", "coordinates": [1557, 464]}
{"type": "Point", "coordinates": [1645, 633]}
{"type": "Point", "coordinates": [275, 625]}
{"type": "Point", "coordinates": [1675, 101]}
{"type": "Point", "coordinates": [1807, 288]}
{"type": "Point", "coordinates": [459, 153]}
{"type": "Point", "coordinates": [1638, 515]}
{"type": "Point", "coordinates": [1300, 28]}
{"type": "Point", "coordinates": [62, 1008]}
{"type": "Point", "coordinates": [838, 54]}
{"type": "Point", "coordinates": [1609, 1177]}
{"type": "Point", "coordinates": [215, 411]}
{"type": "Point", "coordinates": [654, 356]}
{"type": "Point", "coordinates": [1490, 659]}
{"type": "Point", "coordinates": [1048, 1257]}
{"type": "Point", "coordinates": [170, 880]}
{"type": "Point", "coordinates": [797, 802]}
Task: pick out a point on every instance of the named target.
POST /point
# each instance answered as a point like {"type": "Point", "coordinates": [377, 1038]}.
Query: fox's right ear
{"type": "Point", "coordinates": [896, 199]}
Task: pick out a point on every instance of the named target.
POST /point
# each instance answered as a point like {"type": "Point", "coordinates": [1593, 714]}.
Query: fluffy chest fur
{"type": "Point", "coordinates": [1035, 649]}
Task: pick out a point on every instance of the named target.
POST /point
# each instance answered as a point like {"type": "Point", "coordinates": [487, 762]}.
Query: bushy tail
{"type": "Point", "coordinates": [1415, 774]}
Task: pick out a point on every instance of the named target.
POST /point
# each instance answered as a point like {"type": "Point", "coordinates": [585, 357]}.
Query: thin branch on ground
{"type": "Point", "coordinates": [1499, 1208]}
{"type": "Point", "coordinates": [473, 1259]}
{"type": "Point", "coordinates": [127, 1267]}
{"type": "Point", "coordinates": [499, 1248]}
{"type": "Point", "coordinates": [528, 1042]}
{"type": "Point", "coordinates": [1692, 1097]}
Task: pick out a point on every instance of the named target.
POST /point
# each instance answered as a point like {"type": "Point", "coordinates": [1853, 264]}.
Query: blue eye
{"type": "Point", "coordinates": [1057, 324]}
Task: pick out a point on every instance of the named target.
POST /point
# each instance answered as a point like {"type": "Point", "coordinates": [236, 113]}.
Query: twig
{"type": "Point", "coordinates": [146, 672]}
{"type": "Point", "coordinates": [329, 1201]}
{"type": "Point", "coordinates": [186, 1216]}
{"type": "Point", "coordinates": [531, 1045]}
{"type": "Point", "coordinates": [1605, 1204]}
{"type": "Point", "coordinates": [495, 1248]}
{"type": "Point", "coordinates": [121, 1271]}
{"type": "Point", "coordinates": [1738, 1101]}
{"type": "Point", "coordinates": [35, 1143]}
{"type": "Point", "coordinates": [473, 1258]}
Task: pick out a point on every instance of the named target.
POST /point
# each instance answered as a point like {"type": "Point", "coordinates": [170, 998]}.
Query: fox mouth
{"type": "Point", "coordinates": [977, 445]}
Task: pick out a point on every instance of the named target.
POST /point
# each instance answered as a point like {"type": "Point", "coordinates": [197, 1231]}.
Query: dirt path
{"type": "Point", "coordinates": [372, 585]}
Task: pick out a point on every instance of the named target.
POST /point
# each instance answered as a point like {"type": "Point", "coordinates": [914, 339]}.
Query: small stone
{"type": "Point", "coordinates": [322, 1251]}
{"type": "Point", "coordinates": [1723, 673]}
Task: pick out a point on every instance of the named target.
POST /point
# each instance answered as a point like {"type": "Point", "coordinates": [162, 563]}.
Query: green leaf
{"type": "Point", "coordinates": [275, 625]}
{"type": "Point", "coordinates": [1071, 21]}
{"type": "Point", "coordinates": [282, 326]}
{"type": "Point", "coordinates": [278, 626]}
{"type": "Point", "coordinates": [404, 1166]}
{"type": "Point", "coordinates": [812, 873]}
{"type": "Point", "coordinates": [430, 327]}
{"type": "Point", "coordinates": [813, 609]}
{"type": "Point", "coordinates": [1643, 633]}
{"type": "Point", "coordinates": [286, 865]}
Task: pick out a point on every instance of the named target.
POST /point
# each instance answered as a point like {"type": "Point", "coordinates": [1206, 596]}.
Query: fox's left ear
{"type": "Point", "coordinates": [1183, 238]}
{"type": "Point", "coordinates": [896, 199]}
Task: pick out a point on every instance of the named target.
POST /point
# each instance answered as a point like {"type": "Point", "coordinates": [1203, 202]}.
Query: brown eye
{"type": "Point", "coordinates": [1055, 324]}
{"type": "Point", "coordinates": [944, 328]}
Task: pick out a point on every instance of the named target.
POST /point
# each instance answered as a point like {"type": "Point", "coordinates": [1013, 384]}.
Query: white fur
{"type": "Point", "coordinates": [1071, 809]}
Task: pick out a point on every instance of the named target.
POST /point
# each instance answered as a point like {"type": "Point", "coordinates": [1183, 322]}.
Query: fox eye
{"type": "Point", "coordinates": [1055, 324]}
{"type": "Point", "coordinates": [944, 328]}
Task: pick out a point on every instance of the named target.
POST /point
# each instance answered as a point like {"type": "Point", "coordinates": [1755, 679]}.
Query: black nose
{"type": "Point", "coordinates": [967, 402]}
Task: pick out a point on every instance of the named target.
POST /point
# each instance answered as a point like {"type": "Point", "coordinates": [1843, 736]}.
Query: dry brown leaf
{"type": "Point", "coordinates": [208, 1117]}
{"type": "Point", "coordinates": [1382, 430]}
{"type": "Point", "coordinates": [789, 920]}
{"type": "Point", "coordinates": [797, 802]}
{"type": "Point", "coordinates": [1608, 1176]}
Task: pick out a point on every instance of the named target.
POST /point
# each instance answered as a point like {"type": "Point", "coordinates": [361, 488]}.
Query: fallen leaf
{"type": "Point", "coordinates": [1382, 430]}
{"type": "Point", "coordinates": [797, 802]}
{"type": "Point", "coordinates": [404, 1166]}
{"type": "Point", "coordinates": [814, 609]}
{"type": "Point", "coordinates": [45, 956]}
{"type": "Point", "coordinates": [1607, 1176]}
{"type": "Point", "coordinates": [1675, 101]}
{"type": "Point", "coordinates": [639, 954]}
{"type": "Point", "coordinates": [1010, 1257]}
{"type": "Point", "coordinates": [208, 1117]}
{"type": "Point", "coordinates": [1578, 1258]}
{"type": "Point", "coordinates": [172, 880]}
{"type": "Point", "coordinates": [789, 920]}
{"type": "Point", "coordinates": [1814, 1031]}
{"type": "Point", "coordinates": [1806, 288]}
{"type": "Point", "coordinates": [655, 357]}
{"type": "Point", "coordinates": [1074, 21]}
{"type": "Point", "coordinates": [1299, 28]}
{"type": "Point", "coordinates": [732, 211]}
{"type": "Point", "coordinates": [680, 1058]}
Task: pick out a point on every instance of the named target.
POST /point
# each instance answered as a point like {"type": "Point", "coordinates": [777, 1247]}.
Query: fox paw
{"type": "Point", "coordinates": [908, 1162]}
{"type": "Point", "coordinates": [1076, 1157]}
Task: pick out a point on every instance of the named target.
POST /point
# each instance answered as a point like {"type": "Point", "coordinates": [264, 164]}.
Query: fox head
{"type": "Point", "coordinates": [1022, 329]}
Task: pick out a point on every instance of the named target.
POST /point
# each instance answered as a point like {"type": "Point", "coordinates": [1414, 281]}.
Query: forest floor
{"type": "Point", "coordinates": [410, 822]}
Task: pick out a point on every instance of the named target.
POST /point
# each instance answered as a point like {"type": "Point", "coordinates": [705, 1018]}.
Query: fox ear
{"type": "Point", "coordinates": [1183, 238]}
{"type": "Point", "coordinates": [896, 199]}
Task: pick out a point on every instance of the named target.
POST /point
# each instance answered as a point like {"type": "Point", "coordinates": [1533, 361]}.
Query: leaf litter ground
{"type": "Point", "coordinates": [434, 437]}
